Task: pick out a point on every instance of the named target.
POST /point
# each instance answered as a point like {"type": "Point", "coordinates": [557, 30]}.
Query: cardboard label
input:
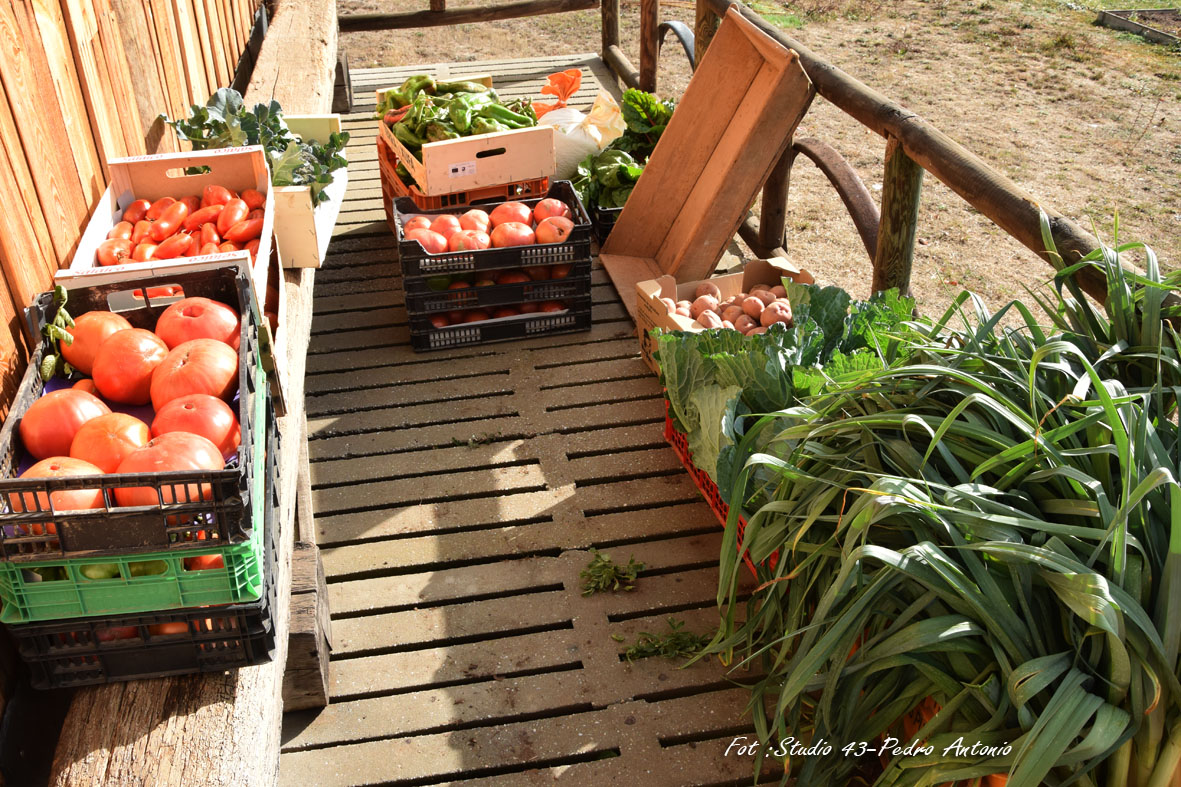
{"type": "Point", "coordinates": [462, 169]}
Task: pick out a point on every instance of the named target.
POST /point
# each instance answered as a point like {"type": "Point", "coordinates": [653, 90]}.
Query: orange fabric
{"type": "Point", "coordinates": [561, 85]}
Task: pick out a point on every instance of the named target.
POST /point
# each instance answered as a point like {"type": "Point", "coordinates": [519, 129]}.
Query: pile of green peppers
{"type": "Point", "coordinates": [423, 110]}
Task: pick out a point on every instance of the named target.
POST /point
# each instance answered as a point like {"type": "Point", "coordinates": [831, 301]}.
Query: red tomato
{"type": "Point", "coordinates": [253, 198]}
{"type": "Point", "coordinates": [416, 223]}
{"type": "Point", "coordinates": [228, 247]}
{"type": "Point", "coordinates": [552, 306]}
{"type": "Point", "coordinates": [215, 195]}
{"type": "Point", "coordinates": [511, 211]}
{"type": "Point", "coordinates": [234, 212]}
{"type": "Point", "coordinates": [168, 629]}
{"type": "Point", "coordinates": [203, 216]}
{"type": "Point", "coordinates": [200, 414]}
{"type": "Point", "coordinates": [469, 240]}
{"type": "Point", "coordinates": [475, 315]}
{"type": "Point", "coordinates": [252, 247]}
{"type": "Point", "coordinates": [550, 207]}
{"type": "Point", "coordinates": [170, 221]}
{"type": "Point", "coordinates": [48, 426]}
{"type": "Point", "coordinates": [107, 440]}
{"type": "Point", "coordinates": [61, 500]}
{"type": "Point", "coordinates": [124, 364]}
{"type": "Point", "coordinates": [512, 233]}
{"type": "Point", "coordinates": [122, 231]}
{"type": "Point", "coordinates": [198, 318]}
{"type": "Point", "coordinates": [560, 271]}
{"type": "Point", "coordinates": [208, 248]}
{"type": "Point", "coordinates": [158, 208]}
{"type": "Point", "coordinates": [203, 562]}
{"type": "Point", "coordinates": [528, 307]}
{"type": "Point", "coordinates": [475, 219]}
{"type": "Point", "coordinates": [513, 277]}
{"type": "Point", "coordinates": [86, 385]}
{"type": "Point", "coordinates": [257, 213]}
{"type": "Point", "coordinates": [136, 210]}
{"type": "Point", "coordinates": [198, 366]}
{"type": "Point", "coordinates": [506, 311]}
{"type": "Point", "coordinates": [209, 234]}
{"type": "Point", "coordinates": [142, 231]}
{"type": "Point", "coordinates": [144, 252]}
{"type": "Point", "coordinates": [90, 331]}
{"type": "Point", "coordinates": [114, 251]}
{"type": "Point", "coordinates": [112, 633]}
{"type": "Point", "coordinates": [446, 226]}
{"type": "Point", "coordinates": [555, 229]}
{"type": "Point", "coordinates": [243, 231]}
{"type": "Point", "coordinates": [432, 242]}
{"type": "Point", "coordinates": [174, 246]}
{"type": "Point", "coordinates": [172, 451]}
{"type": "Point", "coordinates": [192, 201]}
{"type": "Point", "coordinates": [538, 272]}
{"type": "Point", "coordinates": [439, 320]}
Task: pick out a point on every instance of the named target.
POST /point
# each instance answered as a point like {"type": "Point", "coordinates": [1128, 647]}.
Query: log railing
{"type": "Point", "coordinates": [438, 14]}
{"type": "Point", "coordinates": [913, 146]}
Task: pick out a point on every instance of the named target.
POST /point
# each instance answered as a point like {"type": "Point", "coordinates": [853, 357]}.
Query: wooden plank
{"type": "Point", "coordinates": [150, 94]}
{"type": "Point", "coordinates": [649, 44]}
{"type": "Point", "coordinates": [172, 64]}
{"type": "Point", "coordinates": [215, 36]}
{"type": "Point", "coordinates": [118, 76]}
{"type": "Point", "coordinates": [201, 23]}
{"type": "Point", "coordinates": [773, 216]}
{"type": "Point", "coordinates": [43, 138]}
{"type": "Point", "coordinates": [82, 28]}
{"type": "Point", "coordinates": [189, 52]}
{"type": "Point", "coordinates": [306, 676]}
{"type": "Point", "coordinates": [351, 23]}
{"type": "Point", "coordinates": [902, 187]}
{"type": "Point", "coordinates": [301, 85]}
{"type": "Point", "coordinates": [705, 28]}
{"type": "Point", "coordinates": [60, 57]}
{"type": "Point", "coordinates": [609, 24]}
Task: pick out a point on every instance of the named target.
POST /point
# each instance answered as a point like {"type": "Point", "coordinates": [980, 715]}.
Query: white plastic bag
{"type": "Point", "coordinates": [581, 134]}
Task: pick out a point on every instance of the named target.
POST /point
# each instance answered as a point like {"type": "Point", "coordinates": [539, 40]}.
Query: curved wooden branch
{"type": "Point", "coordinates": [849, 186]}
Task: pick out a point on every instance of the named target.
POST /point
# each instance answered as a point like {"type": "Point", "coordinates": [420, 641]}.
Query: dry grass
{"type": "Point", "coordinates": [1086, 119]}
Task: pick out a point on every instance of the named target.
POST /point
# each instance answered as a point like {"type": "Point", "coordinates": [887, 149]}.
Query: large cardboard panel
{"type": "Point", "coordinates": [736, 118]}
{"type": "Point", "coordinates": [652, 313]}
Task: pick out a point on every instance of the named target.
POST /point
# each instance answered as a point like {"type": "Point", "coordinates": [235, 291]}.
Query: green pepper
{"type": "Point", "coordinates": [505, 116]}
{"type": "Point", "coordinates": [438, 131]}
{"type": "Point", "coordinates": [461, 87]}
{"type": "Point", "coordinates": [407, 137]}
{"type": "Point", "coordinates": [463, 107]}
{"type": "Point", "coordinates": [483, 125]}
{"type": "Point", "coordinates": [403, 174]}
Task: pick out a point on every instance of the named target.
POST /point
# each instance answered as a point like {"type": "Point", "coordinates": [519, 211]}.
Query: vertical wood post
{"type": "Point", "coordinates": [438, 5]}
{"type": "Point", "coordinates": [649, 44]}
{"type": "Point", "coordinates": [773, 216]}
{"type": "Point", "coordinates": [610, 24]}
{"type": "Point", "coordinates": [703, 31]}
{"type": "Point", "coordinates": [901, 188]}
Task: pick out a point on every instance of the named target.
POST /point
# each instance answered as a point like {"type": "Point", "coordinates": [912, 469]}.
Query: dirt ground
{"type": "Point", "coordinates": [1086, 119]}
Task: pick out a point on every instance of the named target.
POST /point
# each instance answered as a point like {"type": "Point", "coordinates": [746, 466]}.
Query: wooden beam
{"type": "Point", "coordinates": [610, 23]}
{"type": "Point", "coordinates": [438, 5]}
{"type": "Point", "coordinates": [296, 64]}
{"type": "Point", "coordinates": [649, 44]}
{"type": "Point", "coordinates": [703, 31]}
{"type": "Point", "coordinates": [994, 195]}
{"type": "Point", "coordinates": [773, 213]}
{"type": "Point", "coordinates": [622, 67]}
{"type": "Point", "coordinates": [850, 188]}
{"type": "Point", "coordinates": [351, 23]}
{"type": "Point", "coordinates": [901, 189]}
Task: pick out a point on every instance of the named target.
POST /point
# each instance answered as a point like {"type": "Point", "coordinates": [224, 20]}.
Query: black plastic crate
{"type": "Point", "coordinates": [424, 337]}
{"type": "Point", "coordinates": [201, 522]}
{"type": "Point", "coordinates": [434, 302]}
{"type": "Point", "coordinates": [604, 220]}
{"type": "Point", "coordinates": [416, 262]}
{"type": "Point", "coordinates": [85, 651]}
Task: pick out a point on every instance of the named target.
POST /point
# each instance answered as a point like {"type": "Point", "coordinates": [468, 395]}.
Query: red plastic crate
{"type": "Point", "coordinates": [706, 485]}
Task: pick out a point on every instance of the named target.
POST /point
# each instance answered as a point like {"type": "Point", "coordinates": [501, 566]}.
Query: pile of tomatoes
{"type": "Point", "coordinates": [186, 369]}
{"type": "Point", "coordinates": [217, 222]}
{"type": "Point", "coordinates": [509, 224]}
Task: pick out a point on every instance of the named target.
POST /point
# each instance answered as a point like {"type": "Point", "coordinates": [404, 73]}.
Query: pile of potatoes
{"type": "Point", "coordinates": [747, 313]}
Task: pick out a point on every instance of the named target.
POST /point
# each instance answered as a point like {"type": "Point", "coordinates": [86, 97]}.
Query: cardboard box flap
{"type": "Point", "coordinates": [736, 118]}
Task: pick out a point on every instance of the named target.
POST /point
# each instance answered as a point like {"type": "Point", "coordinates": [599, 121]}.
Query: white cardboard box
{"type": "Point", "coordinates": [301, 232]}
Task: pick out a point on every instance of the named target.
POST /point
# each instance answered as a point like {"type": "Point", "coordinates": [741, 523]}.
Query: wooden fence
{"type": "Point", "coordinates": [84, 81]}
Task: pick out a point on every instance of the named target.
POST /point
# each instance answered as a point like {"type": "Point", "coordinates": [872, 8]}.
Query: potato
{"type": "Point", "coordinates": [709, 319]}
{"type": "Point", "coordinates": [669, 304]}
{"type": "Point", "coordinates": [732, 313]}
{"type": "Point", "coordinates": [759, 288]}
{"type": "Point", "coordinates": [729, 326]}
{"type": "Point", "coordinates": [683, 312]}
{"type": "Point", "coordinates": [684, 304]}
{"type": "Point", "coordinates": [779, 291]}
{"type": "Point", "coordinates": [745, 323]}
{"type": "Point", "coordinates": [753, 306]}
{"type": "Point", "coordinates": [757, 329]}
{"type": "Point", "coordinates": [766, 296]}
{"type": "Point", "coordinates": [704, 303]}
{"type": "Point", "coordinates": [707, 288]}
{"type": "Point", "coordinates": [776, 312]}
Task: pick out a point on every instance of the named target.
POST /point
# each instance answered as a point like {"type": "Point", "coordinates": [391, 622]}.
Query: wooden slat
{"type": "Point", "coordinates": [150, 94]}
{"type": "Point", "coordinates": [189, 53]}
{"type": "Point", "coordinates": [215, 35]}
{"type": "Point", "coordinates": [201, 22]}
{"type": "Point", "coordinates": [172, 64]}
{"type": "Point", "coordinates": [43, 138]}
{"type": "Point", "coordinates": [82, 27]}
{"type": "Point", "coordinates": [60, 60]}
{"type": "Point", "coordinates": [118, 76]}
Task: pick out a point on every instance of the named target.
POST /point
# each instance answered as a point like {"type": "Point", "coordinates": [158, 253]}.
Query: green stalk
{"type": "Point", "coordinates": [1169, 760]}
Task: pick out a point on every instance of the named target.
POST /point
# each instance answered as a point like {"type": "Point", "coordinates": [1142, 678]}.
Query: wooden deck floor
{"type": "Point", "coordinates": [456, 496]}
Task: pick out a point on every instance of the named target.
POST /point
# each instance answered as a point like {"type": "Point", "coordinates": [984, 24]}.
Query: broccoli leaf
{"type": "Point", "coordinates": [711, 406]}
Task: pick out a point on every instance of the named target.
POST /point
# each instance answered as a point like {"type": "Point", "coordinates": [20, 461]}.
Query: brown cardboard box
{"type": "Point", "coordinates": [735, 120]}
{"type": "Point", "coordinates": [651, 313]}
